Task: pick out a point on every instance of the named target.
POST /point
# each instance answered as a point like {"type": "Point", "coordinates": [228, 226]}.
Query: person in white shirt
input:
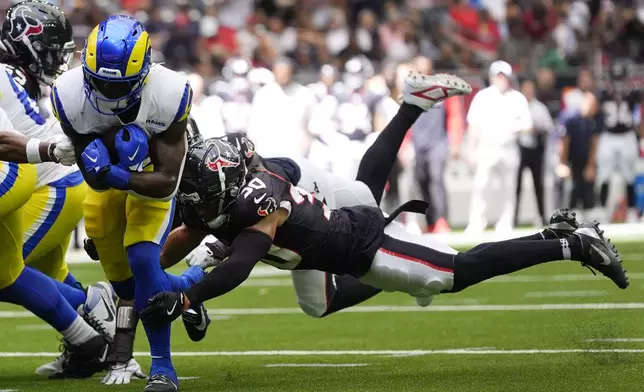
{"type": "Point", "coordinates": [495, 119]}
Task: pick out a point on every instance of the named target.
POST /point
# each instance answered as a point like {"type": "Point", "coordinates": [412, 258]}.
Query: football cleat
{"type": "Point", "coordinates": [600, 254]}
{"type": "Point", "coordinates": [99, 309]}
{"type": "Point", "coordinates": [563, 223]}
{"type": "Point", "coordinates": [196, 323]}
{"type": "Point", "coordinates": [85, 360]}
{"type": "Point", "coordinates": [55, 366]}
{"type": "Point", "coordinates": [425, 91]}
{"type": "Point", "coordinates": [424, 301]}
{"type": "Point", "coordinates": [161, 383]}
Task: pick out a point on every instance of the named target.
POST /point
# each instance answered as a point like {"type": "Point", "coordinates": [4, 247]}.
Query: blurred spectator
{"type": "Point", "coordinates": [532, 145]}
{"type": "Point", "coordinates": [279, 120]}
{"type": "Point", "coordinates": [540, 19]}
{"type": "Point", "coordinates": [573, 98]}
{"type": "Point", "coordinates": [437, 135]}
{"type": "Point", "coordinates": [579, 149]}
{"type": "Point", "coordinates": [496, 116]}
{"type": "Point", "coordinates": [516, 47]}
{"type": "Point", "coordinates": [547, 91]}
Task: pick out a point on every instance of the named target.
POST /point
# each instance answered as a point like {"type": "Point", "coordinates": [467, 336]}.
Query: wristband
{"type": "Point", "coordinates": [33, 151]}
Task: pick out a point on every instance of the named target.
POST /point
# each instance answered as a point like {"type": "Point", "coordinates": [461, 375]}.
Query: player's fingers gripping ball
{"type": "Point", "coordinates": [96, 159]}
{"type": "Point", "coordinates": [132, 147]}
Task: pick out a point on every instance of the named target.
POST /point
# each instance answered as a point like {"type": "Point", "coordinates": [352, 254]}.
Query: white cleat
{"type": "Point", "coordinates": [55, 366]}
{"type": "Point", "coordinates": [99, 309]}
{"type": "Point", "coordinates": [425, 91]}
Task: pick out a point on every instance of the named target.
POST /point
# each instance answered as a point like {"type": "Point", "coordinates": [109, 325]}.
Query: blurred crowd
{"type": "Point", "coordinates": [320, 78]}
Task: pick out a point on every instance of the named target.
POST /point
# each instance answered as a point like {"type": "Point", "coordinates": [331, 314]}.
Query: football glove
{"type": "Point", "coordinates": [163, 308]}
{"type": "Point", "coordinates": [210, 254]}
{"type": "Point", "coordinates": [62, 151]}
{"type": "Point", "coordinates": [132, 147]}
{"type": "Point", "coordinates": [90, 249]}
{"type": "Point", "coordinates": [96, 159]}
{"type": "Point", "coordinates": [122, 373]}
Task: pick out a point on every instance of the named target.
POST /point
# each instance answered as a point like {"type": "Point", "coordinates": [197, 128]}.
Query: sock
{"type": "Point", "coordinates": [380, 157]}
{"type": "Point", "coordinates": [37, 293]}
{"type": "Point", "coordinates": [124, 289]}
{"type": "Point", "coordinates": [346, 292]}
{"type": "Point", "coordinates": [189, 277]}
{"type": "Point", "coordinates": [73, 295]}
{"type": "Point", "coordinates": [544, 235]}
{"type": "Point", "coordinates": [70, 280]}
{"type": "Point", "coordinates": [79, 332]}
{"type": "Point", "coordinates": [603, 194]}
{"type": "Point", "coordinates": [630, 195]}
{"type": "Point", "coordinates": [504, 257]}
{"type": "Point", "coordinates": [150, 279]}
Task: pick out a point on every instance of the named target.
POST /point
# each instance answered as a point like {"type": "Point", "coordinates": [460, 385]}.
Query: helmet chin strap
{"type": "Point", "coordinates": [218, 221]}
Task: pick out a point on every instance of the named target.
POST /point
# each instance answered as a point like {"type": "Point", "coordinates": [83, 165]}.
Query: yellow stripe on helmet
{"type": "Point", "coordinates": [90, 50]}
{"type": "Point", "coordinates": [137, 56]}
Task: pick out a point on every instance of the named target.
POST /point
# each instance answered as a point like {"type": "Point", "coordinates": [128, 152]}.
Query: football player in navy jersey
{"type": "Point", "coordinates": [263, 217]}
{"type": "Point", "coordinates": [618, 148]}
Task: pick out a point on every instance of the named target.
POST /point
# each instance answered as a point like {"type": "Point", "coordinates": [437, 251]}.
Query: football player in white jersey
{"type": "Point", "coordinates": [128, 213]}
{"type": "Point", "coordinates": [35, 46]}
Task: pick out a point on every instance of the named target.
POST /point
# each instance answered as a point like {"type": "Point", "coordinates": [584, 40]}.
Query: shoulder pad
{"type": "Point", "coordinates": [260, 197]}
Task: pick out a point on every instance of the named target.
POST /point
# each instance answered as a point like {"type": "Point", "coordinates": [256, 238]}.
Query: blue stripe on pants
{"type": "Point", "coordinates": [44, 228]}
{"type": "Point", "coordinates": [10, 179]}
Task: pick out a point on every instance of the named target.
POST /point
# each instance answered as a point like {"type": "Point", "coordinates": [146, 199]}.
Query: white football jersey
{"type": "Point", "coordinates": [166, 98]}
{"type": "Point", "coordinates": [24, 115]}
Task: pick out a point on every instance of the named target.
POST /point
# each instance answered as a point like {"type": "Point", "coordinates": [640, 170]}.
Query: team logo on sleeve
{"type": "Point", "coordinates": [220, 162]}
{"type": "Point", "coordinates": [23, 23]}
{"type": "Point", "coordinates": [268, 207]}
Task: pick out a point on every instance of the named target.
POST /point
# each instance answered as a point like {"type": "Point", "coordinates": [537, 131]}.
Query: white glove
{"type": "Point", "coordinates": [121, 373]}
{"type": "Point", "coordinates": [207, 255]}
{"type": "Point", "coordinates": [63, 151]}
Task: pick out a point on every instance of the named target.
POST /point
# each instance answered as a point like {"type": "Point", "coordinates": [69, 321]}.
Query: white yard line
{"type": "Point", "coordinates": [565, 294]}
{"type": "Point", "coordinates": [401, 309]}
{"type": "Point", "coordinates": [307, 353]}
{"type": "Point", "coordinates": [325, 365]}
{"type": "Point", "coordinates": [618, 340]}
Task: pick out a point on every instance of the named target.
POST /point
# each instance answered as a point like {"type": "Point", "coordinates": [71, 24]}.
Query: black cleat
{"type": "Point", "coordinates": [85, 360]}
{"type": "Point", "coordinates": [196, 323]}
{"type": "Point", "coordinates": [562, 223]}
{"type": "Point", "coordinates": [600, 254]}
{"type": "Point", "coordinates": [161, 383]}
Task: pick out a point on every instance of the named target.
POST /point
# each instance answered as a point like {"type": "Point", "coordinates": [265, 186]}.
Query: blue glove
{"type": "Point", "coordinates": [118, 178]}
{"type": "Point", "coordinates": [132, 147]}
{"type": "Point", "coordinates": [96, 159]}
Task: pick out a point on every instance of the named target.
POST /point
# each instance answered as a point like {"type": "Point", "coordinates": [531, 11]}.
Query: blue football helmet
{"type": "Point", "coordinates": [116, 62]}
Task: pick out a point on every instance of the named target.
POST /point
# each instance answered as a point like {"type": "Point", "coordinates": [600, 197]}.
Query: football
{"type": "Point", "coordinates": [108, 138]}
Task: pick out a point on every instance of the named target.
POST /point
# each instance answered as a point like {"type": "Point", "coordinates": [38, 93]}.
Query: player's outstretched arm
{"type": "Point", "coordinates": [17, 148]}
{"type": "Point", "coordinates": [247, 249]}
{"type": "Point", "coordinates": [168, 153]}
{"type": "Point", "coordinates": [180, 242]}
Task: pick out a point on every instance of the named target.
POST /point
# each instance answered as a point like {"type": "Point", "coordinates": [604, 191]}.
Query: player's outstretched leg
{"type": "Point", "coordinates": [586, 244]}
{"type": "Point", "coordinates": [320, 294]}
{"type": "Point", "coordinates": [85, 350]}
{"type": "Point", "coordinates": [420, 92]}
{"type": "Point", "coordinates": [99, 311]}
{"type": "Point", "coordinates": [562, 224]}
{"type": "Point", "coordinates": [150, 279]}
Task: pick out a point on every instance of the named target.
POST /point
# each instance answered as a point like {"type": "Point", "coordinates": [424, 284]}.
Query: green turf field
{"type": "Point", "coordinates": [552, 328]}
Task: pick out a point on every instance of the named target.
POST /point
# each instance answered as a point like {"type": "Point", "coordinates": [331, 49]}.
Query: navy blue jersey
{"type": "Point", "coordinates": [313, 236]}
{"type": "Point", "coordinates": [618, 110]}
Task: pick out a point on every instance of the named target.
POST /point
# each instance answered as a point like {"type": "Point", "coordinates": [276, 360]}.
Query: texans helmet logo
{"type": "Point", "coordinates": [219, 163]}
{"type": "Point", "coordinates": [268, 207]}
{"type": "Point", "coordinates": [24, 23]}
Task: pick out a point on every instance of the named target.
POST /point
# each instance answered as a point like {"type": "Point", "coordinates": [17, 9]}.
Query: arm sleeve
{"type": "Point", "coordinates": [246, 250]}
